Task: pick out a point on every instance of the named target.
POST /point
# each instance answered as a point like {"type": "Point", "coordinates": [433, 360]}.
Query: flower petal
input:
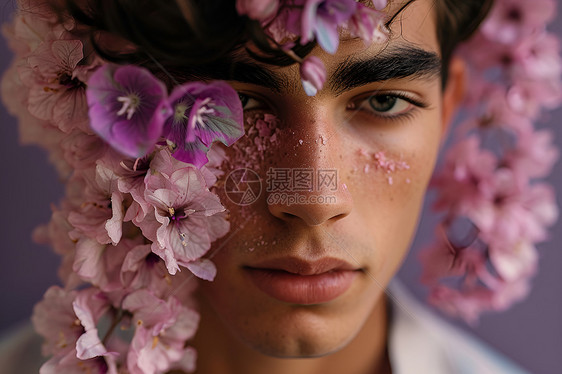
{"type": "Point", "coordinates": [202, 268]}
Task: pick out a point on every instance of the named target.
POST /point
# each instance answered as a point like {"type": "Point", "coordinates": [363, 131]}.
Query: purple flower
{"type": "Point", "coordinates": [313, 75]}
{"type": "Point", "coordinates": [203, 113]}
{"type": "Point", "coordinates": [321, 18]}
{"type": "Point", "coordinates": [127, 108]}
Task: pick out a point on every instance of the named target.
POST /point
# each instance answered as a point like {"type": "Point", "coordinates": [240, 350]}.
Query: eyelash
{"type": "Point", "coordinates": [244, 98]}
{"type": "Point", "coordinates": [407, 114]}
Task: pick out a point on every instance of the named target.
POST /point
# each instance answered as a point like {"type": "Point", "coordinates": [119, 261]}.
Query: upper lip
{"type": "Point", "coordinates": [301, 266]}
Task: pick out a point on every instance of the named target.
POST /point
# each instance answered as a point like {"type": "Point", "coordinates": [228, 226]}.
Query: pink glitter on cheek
{"type": "Point", "coordinates": [262, 133]}
{"type": "Point", "coordinates": [380, 162]}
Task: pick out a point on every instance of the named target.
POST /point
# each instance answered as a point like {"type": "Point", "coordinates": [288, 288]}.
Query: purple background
{"type": "Point", "coordinates": [530, 333]}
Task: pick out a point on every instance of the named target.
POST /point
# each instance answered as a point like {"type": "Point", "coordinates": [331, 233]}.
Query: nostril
{"type": "Point", "coordinates": [341, 215]}
{"type": "Point", "coordinates": [289, 215]}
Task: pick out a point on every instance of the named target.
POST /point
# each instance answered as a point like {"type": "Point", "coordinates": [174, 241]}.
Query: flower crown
{"type": "Point", "coordinates": [140, 164]}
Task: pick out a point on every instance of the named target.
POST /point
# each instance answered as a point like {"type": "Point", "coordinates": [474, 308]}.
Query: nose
{"type": "Point", "coordinates": [309, 207]}
{"type": "Point", "coordinates": [308, 187]}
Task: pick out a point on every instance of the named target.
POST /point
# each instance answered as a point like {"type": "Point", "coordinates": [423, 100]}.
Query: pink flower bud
{"type": "Point", "coordinates": [313, 75]}
{"type": "Point", "coordinates": [257, 9]}
{"type": "Point", "coordinates": [380, 4]}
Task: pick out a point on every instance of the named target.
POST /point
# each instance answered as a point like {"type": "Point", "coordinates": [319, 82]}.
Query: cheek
{"type": "Point", "coordinates": [388, 181]}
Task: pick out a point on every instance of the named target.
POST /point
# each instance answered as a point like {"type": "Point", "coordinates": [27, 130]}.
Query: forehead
{"type": "Point", "coordinates": [411, 51]}
{"type": "Point", "coordinates": [414, 22]}
{"type": "Point", "coordinates": [411, 24]}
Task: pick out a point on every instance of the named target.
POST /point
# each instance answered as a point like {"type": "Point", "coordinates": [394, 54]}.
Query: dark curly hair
{"type": "Point", "coordinates": [192, 37]}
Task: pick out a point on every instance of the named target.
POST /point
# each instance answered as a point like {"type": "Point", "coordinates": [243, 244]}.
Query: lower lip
{"type": "Point", "coordinates": [302, 289]}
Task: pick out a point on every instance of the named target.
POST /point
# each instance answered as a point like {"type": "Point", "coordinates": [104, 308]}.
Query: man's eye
{"type": "Point", "coordinates": [248, 103]}
{"type": "Point", "coordinates": [388, 105]}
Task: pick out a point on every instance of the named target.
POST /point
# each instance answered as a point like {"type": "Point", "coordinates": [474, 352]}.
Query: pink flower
{"type": "Point", "coordinates": [528, 97]}
{"type": "Point", "coordinates": [101, 264]}
{"type": "Point", "coordinates": [467, 305]}
{"type": "Point", "coordinates": [185, 218]}
{"type": "Point", "coordinates": [34, 24]}
{"type": "Point", "coordinates": [89, 306]}
{"type": "Point", "coordinates": [441, 260]}
{"type": "Point", "coordinates": [495, 111]}
{"type": "Point", "coordinates": [131, 175]}
{"type": "Point", "coordinates": [70, 364]}
{"type": "Point", "coordinates": [321, 19]}
{"type": "Point", "coordinates": [470, 303]}
{"type": "Point", "coordinates": [313, 75]}
{"type": "Point", "coordinates": [212, 169]}
{"type": "Point", "coordinates": [514, 262]}
{"type": "Point", "coordinates": [368, 24]}
{"type": "Point", "coordinates": [285, 26]}
{"type": "Point", "coordinates": [511, 20]}
{"type": "Point", "coordinates": [538, 58]}
{"type": "Point", "coordinates": [82, 150]}
{"type": "Point", "coordinates": [162, 329]}
{"type": "Point", "coordinates": [540, 202]}
{"type": "Point", "coordinates": [143, 269]}
{"type": "Point", "coordinates": [508, 293]}
{"type": "Point", "coordinates": [534, 155]}
{"type": "Point", "coordinates": [380, 4]}
{"type": "Point", "coordinates": [64, 330]}
{"type": "Point", "coordinates": [100, 214]}
{"type": "Point", "coordinates": [460, 180]}
{"type": "Point", "coordinates": [55, 94]}
{"type": "Point", "coordinates": [54, 319]}
{"type": "Point", "coordinates": [257, 9]}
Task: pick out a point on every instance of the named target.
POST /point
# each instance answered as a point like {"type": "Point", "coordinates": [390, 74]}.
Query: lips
{"type": "Point", "coordinates": [298, 281]}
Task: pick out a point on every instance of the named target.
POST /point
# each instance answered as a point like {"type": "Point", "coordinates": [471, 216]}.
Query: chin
{"type": "Point", "coordinates": [302, 333]}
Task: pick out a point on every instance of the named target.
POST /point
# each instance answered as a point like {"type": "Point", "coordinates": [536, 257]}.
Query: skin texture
{"type": "Point", "coordinates": [370, 226]}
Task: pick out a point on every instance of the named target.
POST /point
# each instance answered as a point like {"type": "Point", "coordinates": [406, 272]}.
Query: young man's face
{"type": "Point", "coordinates": [377, 134]}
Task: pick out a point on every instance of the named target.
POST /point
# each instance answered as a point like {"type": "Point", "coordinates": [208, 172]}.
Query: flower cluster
{"type": "Point", "coordinates": [495, 208]}
{"type": "Point", "coordinates": [139, 164]}
{"type": "Point", "coordinates": [135, 213]}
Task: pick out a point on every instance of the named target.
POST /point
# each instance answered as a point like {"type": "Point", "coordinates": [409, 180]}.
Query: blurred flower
{"type": "Point", "coordinates": [128, 108]}
{"type": "Point", "coordinates": [368, 24]}
{"type": "Point", "coordinates": [511, 20]}
{"type": "Point", "coordinates": [321, 19]}
{"type": "Point", "coordinates": [313, 75]}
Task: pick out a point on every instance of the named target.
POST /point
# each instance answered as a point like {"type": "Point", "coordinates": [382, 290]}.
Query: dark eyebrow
{"type": "Point", "coordinates": [233, 70]}
{"type": "Point", "coordinates": [249, 72]}
{"type": "Point", "coordinates": [392, 63]}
